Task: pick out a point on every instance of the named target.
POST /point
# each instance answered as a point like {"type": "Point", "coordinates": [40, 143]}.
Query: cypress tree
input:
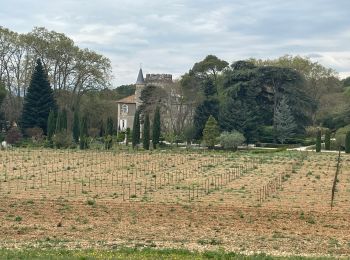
{"type": "Point", "coordinates": [58, 122]}
{"type": "Point", "coordinates": [39, 100]}
{"type": "Point", "coordinates": [347, 142]}
{"type": "Point", "coordinates": [83, 133]}
{"type": "Point", "coordinates": [327, 140]}
{"type": "Point", "coordinates": [146, 133]}
{"type": "Point", "coordinates": [102, 129]}
{"type": "Point", "coordinates": [127, 136]}
{"type": "Point", "coordinates": [61, 122]}
{"type": "Point", "coordinates": [51, 124]}
{"type": "Point", "coordinates": [109, 128]}
{"type": "Point", "coordinates": [318, 141]}
{"type": "Point", "coordinates": [156, 128]}
{"type": "Point", "coordinates": [136, 129]}
{"type": "Point", "coordinates": [76, 127]}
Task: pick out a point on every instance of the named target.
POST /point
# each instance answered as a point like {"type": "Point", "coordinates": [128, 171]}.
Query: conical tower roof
{"type": "Point", "coordinates": [140, 80]}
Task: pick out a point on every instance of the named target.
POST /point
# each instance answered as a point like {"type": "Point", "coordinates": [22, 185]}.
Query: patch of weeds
{"type": "Point", "coordinates": [91, 202]}
{"type": "Point", "coordinates": [18, 218]}
{"type": "Point", "coordinates": [211, 241]}
{"type": "Point", "coordinates": [310, 220]}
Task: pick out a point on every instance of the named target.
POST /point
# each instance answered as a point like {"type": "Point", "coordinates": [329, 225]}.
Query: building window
{"type": "Point", "coordinates": [123, 124]}
{"type": "Point", "coordinates": [124, 109]}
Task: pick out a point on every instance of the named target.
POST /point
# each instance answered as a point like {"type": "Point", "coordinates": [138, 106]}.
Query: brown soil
{"type": "Point", "coordinates": [48, 201]}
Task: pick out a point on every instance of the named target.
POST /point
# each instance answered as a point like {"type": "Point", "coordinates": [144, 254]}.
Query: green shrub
{"type": "Point", "coordinates": [121, 136]}
{"type": "Point", "coordinates": [340, 135]}
{"type": "Point", "coordinates": [231, 140]}
{"type": "Point", "coordinates": [62, 140]}
{"type": "Point", "coordinates": [108, 141]}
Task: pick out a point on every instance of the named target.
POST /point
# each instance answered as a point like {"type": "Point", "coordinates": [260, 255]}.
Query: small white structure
{"type": "Point", "coordinates": [4, 145]}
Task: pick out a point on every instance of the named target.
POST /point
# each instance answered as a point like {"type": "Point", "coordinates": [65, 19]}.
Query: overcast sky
{"type": "Point", "coordinates": [169, 36]}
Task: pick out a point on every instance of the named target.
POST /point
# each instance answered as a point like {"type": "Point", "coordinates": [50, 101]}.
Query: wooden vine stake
{"type": "Point", "coordinates": [335, 180]}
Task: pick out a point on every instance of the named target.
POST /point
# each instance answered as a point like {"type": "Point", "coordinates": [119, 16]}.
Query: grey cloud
{"type": "Point", "coordinates": [170, 35]}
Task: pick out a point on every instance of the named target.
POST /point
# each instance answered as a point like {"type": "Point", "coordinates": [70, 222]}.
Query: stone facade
{"type": "Point", "coordinates": [128, 105]}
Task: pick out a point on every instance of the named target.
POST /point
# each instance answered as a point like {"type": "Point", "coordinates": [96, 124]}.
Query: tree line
{"type": "Point", "coordinates": [257, 101]}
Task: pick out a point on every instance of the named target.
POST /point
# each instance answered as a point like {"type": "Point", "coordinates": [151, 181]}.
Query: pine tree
{"type": "Point", "coordinates": [51, 124]}
{"type": "Point", "coordinates": [284, 122]}
{"type": "Point", "coordinates": [76, 127]}
{"type": "Point", "coordinates": [156, 128]}
{"type": "Point", "coordinates": [211, 132]}
{"type": "Point", "coordinates": [109, 128]}
{"type": "Point", "coordinates": [318, 141]}
{"type": "Point", "coordinates": [83, 133]}
{"type": "Point", "coordinates": [136, 130]}
{"type": "Point", "coordinates": [327, 140]}
{"type": "Point", "coordinates": [146, 133]}
{"type": "Point", "coordinates": [347, 142]}
{"type": "Point", "coordinates": [39, 100]}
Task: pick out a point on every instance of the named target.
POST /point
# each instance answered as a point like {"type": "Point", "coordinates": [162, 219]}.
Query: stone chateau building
{"type": "Point", "coordinates": [128, 105]}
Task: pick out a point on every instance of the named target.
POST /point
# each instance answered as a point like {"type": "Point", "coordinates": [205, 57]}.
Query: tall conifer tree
{"type": "Point", "coordinates": [51, 124]}
{"type": "Point", "coordinates": [39, 100]}
{"type": "Point", "coordinates": [146, 133]}
{"type": "Point", "coordinates": [136, 130]}
{"type": "Point", "coordinates": [76, 127]}
{"type": "Point", "coordinates": [156, 128]}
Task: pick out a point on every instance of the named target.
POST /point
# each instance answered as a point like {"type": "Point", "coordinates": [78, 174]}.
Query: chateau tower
{"type": "Point", "coordinates": [140, 85]}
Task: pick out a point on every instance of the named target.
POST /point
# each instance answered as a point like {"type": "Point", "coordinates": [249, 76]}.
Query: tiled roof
{"type": "Point", "coordinates": [127, 100]}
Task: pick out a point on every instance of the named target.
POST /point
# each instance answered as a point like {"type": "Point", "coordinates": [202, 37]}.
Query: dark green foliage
{"type": "Point", "coordinates": [210, 66]}
{"type": "Point", "coordinates": [327, 140]}
{"type": "Point", "coordinates": [146, 133]}
{"type": "Point", "coordinates": [209, 88]}
{"type": "Point", "coordinates": [39, 100]}
{"type": "Point", "coordinates": [83, 133]}
{"type": "Point", "coordinates": [61, 121]}
{"type": "Point", "coordinates": [156, 128]}
{"type": "Point", "coordinates": [211, 132]}
{"type": "Point", "coordinates": [136, 130]}
{"type": "Point", "coordinates": [108, 140]}
{"type": "Point", "coordinates": [102, 129]}
{"type": "Point", "coordinates": [76, 127]}
{"type": "Point", "coordinates": [208, 107]}
{"type": "Point", "coordinates": [121, 136]}
{"type": "Point", "coordinates": [238, 115]}
{"type": "Point", "coordinates": [51, 124]}
{"type": "Point", "coordinates": [347, 142]}
{"type": "Point", "coordinates": [346, 82]}
{"type": "Point", "coordinates": [127, 133]}
{"type": "Point", "coordinates": [109, 128]}
{"type": "Point", "coordinates": [318, 141]}
{"type": "Point", "coordinates": [3, 92]}
{"type": "Point", "coordinates": [251, 95]}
